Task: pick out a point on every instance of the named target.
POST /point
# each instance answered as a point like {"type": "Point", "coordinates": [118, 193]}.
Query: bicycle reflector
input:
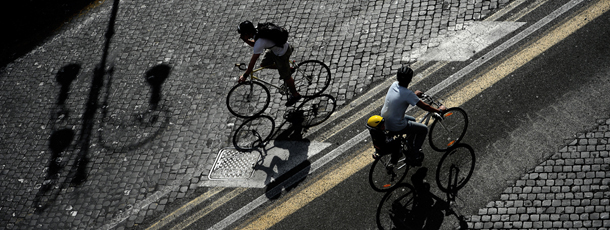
{"type": "Point", "coordinates": [448, 114]}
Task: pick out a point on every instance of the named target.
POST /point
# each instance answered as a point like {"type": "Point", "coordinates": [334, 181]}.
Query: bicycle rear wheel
{"type": "Point", "coordinates": [395, 209]}
{"type": "Point", "coordinates": [316, 110]}
{"type": "Point", "coordinates": [448, 131]}
{"type": "Point", "coordinates": [248, 99]}
{"type": "Point", "coordinates": [455, 168]}
{"type": "Point", "coordinates": [384, 176]}
{"type": "Point", "coordinates": [254, 133]}
{"type": "Point", "coordinates": [311, 78]}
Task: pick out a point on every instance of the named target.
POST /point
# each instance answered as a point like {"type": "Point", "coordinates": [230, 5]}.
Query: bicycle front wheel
{"type": "Point", "coordinates": [311, 78]}
{"type": "Point", "coordinates": [396, 208]}
{"type": "Point", "coordinates": [448, 131]}
{"type": "Point", "coordinates": [254, 133]}
{"type": "Point", "coordinates": [455, 168]}
{"type": "Point", "coordinates": [384, 175]}
{"type": "Point", "coordinates": [248, 99]}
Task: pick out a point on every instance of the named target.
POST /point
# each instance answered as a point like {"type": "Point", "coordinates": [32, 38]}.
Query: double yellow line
{"type": "Point", "coordinates": [316, 188]}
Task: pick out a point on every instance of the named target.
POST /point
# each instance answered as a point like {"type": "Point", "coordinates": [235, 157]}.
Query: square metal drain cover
{"type": "Point", "coordinates": [233, 164]}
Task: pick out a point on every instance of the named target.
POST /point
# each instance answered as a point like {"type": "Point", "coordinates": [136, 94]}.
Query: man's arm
{"type": "Point", "coordinates": [425, 106]}
{"type": "Point", "coordinates": [250, 67]}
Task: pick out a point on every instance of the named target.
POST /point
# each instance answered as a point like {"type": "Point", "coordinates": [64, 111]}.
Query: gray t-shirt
{"type": "Point", "coordinates": [262, 43]}
{"type": "Point", "coordinates": [397, 100]}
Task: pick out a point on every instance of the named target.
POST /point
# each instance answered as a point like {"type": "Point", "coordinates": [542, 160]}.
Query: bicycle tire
{"type": "Point", "coordinates": [381, 179]}
{"type": "Point", "coordinates": [254, 133]}
{"type": "Point", "coordinates": [248, 99]}
{"type": "Point", "coordinates": [395, 209]}
{"type": "Point", "coordinates": [311, 78]}
{"type": "Point", "coordinates": [460, 156]}
{"type": "Point", "coordinates": [316, 110]}
{"type": "Point", "coordinates": [448, 131]}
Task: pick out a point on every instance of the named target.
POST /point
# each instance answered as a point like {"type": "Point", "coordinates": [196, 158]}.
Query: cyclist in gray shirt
{"type": "Point", "coordinates": [397, 100]}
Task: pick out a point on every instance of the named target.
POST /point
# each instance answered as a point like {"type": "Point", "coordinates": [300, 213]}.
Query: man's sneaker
{"type": "Point", "coordinates": [293, 100]}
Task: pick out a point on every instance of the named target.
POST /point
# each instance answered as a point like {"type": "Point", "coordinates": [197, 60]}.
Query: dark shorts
{"type": "Point", "coordinates": [281, 62]}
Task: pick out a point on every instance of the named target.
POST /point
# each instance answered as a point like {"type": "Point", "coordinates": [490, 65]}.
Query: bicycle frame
{"type": "Point", "coordinates": [426, 119]}
{"type": "Point", "coordinates": [283, 89]}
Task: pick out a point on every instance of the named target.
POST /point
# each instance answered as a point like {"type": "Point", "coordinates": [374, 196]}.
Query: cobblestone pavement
{"type": "Point", "coordinates": [567, 191]}
{"type": "Point", "coordinates": [78, 147]}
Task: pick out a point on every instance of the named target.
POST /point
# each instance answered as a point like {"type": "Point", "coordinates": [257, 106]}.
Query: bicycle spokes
{"type": "Point", "coordinates": [448, 130]}
{"type": "Point", "coordinates": [450, 134]}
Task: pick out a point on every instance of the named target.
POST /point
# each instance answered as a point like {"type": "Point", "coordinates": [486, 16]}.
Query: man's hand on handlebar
{"type": "Point", "coordinates": [442, 108]}
{"type": "Point", "coordinates": [241, 79]}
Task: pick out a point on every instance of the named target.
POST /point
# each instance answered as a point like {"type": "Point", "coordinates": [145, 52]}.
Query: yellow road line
{"type": "Point", "coordinates": [330, 180]}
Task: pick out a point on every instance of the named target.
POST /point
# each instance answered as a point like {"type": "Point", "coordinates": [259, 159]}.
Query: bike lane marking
{"type": "Point", "coordinates": [316, 188]}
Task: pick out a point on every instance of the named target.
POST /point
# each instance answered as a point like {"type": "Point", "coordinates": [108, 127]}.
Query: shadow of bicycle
{"type": "Point", "coordinates": [414, 206]}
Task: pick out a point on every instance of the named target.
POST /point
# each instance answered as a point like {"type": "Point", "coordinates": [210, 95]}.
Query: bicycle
{"type": "Point", "coordinates": [251, 98]}
{"type": "Point", "coordinates": [446, 131]}
{"type": "Point", "coordinates": [413, 206]}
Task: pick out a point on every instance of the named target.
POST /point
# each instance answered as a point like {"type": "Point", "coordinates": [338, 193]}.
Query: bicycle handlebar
{"type": "Point", "coordinates": [431, 99]}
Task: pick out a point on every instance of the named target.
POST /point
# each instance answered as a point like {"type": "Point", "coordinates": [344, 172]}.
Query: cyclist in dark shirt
{"type": "Point", "coordinates": [275, 57]}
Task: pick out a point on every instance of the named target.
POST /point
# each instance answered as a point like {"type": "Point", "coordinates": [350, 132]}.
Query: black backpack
{"type": "Point", "coordinates": [270, 31]}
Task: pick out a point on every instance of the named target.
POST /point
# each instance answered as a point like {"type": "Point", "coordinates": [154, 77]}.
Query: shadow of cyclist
{"type": "Point", "coordinates": [292, 140]}
{"type": "Point", "coordinates": [427, 212]}
{"type": "Point", "coordinates": [59, 142]}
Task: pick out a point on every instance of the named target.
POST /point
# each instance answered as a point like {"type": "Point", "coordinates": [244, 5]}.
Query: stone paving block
{"type": "Point", "coordinates": [568, 197]}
